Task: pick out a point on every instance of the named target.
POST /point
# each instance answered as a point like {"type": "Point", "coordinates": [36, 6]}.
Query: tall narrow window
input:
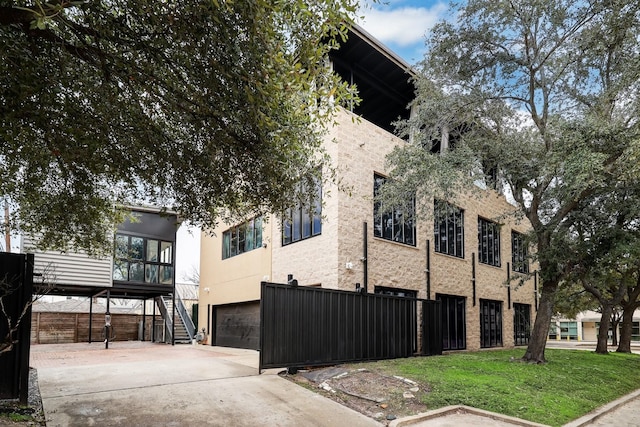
{"type": "Point", "coordinates": [397, 225]}
{"type": "Point", "coordinates": [488, 242]}
{"type": "Point", "coordinates": [519, 253]}
{"type": "Point", "coordinates": [521, 323]}
{"type": "Point", "coordinates": [305, 219]}
{"type": "Point", "coordinates": [490, 323]}
{"type": "Point", "coordinates": [448, 229]}
{"type": "Point", "coordinates": [453, 322]}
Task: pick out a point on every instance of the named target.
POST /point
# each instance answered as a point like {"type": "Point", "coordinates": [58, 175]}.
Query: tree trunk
{"type": "Point", "coordinates": [624, 346]}
{"type": "Point", "coordinates": [614, 329]}
{"type": "Point", "coordinates": [603, 331]}
{"type": "Point", "coordinates": [540, 332]}
{"type": "Point", "coordinates": [629, 306]}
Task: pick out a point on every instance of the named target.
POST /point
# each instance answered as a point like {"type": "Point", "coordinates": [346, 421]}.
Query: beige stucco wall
{"type": "Point", "coordinates": [235, 279]}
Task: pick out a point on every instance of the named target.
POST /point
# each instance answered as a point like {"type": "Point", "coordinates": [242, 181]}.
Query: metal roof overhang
{"type": "Point", "coordinates": [383, 79]}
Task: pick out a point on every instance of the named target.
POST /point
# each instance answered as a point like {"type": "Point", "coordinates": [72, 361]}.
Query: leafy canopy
{"type": "Point", "coordinates": [205, 107]}
{"type": "Point", "coordinates": [539, 98]}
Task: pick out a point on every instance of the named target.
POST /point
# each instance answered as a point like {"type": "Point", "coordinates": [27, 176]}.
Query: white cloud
{"type": "Point", "coordinates": [403, 26]}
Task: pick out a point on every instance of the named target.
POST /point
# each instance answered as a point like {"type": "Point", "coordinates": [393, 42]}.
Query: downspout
{"type": "Point", "coordinates": [509, 286]}
{"type": "Point", "coordinates": [428, 270]}
{"type": "Point", "coordinates": [365, 262]}
{"type": "Point", "coordinates": [473, 276]}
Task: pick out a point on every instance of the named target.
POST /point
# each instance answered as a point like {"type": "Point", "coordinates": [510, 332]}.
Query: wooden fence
{"type": "Point", "coordinates": [54, 328]}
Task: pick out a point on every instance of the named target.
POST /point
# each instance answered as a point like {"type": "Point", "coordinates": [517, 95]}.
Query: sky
{"type": "Point", "coordinates": [402, 25]}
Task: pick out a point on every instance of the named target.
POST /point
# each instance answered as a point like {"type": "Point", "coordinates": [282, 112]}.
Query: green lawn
{"type": "Point", "coordinates": [571, 384]}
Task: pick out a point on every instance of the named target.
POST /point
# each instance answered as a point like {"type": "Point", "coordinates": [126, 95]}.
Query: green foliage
{"type": "Point", "coordinates": [571, 384]}
{"type": "Point", "coordinates": [207, 107]}
{"type": "Point", "coordinates": [537, 99]}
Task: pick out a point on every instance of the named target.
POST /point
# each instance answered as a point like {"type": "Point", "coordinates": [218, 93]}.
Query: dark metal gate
{"type": "Point", "coordinates": [308, 326]}
{"type": "Point", "coordinates": [16, 286]}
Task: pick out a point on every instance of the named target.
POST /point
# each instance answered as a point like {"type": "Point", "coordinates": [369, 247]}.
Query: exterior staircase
{"type": "Point", "coordinates": [184, 328]}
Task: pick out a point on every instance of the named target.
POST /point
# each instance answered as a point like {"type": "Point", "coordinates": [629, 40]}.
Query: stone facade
{"type": "Point", "coordinates": [333, 259]}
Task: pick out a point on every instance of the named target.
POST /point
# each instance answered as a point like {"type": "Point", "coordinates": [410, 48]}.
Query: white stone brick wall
{"type": "Point", "coordinates": [358, 153]}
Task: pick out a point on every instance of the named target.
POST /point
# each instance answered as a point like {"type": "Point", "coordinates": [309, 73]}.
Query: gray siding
{"type": "Point", "coordinates": [70, 268]}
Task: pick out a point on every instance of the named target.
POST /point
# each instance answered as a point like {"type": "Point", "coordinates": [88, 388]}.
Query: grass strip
{"type": "Point", "coordinates": [571, 384]}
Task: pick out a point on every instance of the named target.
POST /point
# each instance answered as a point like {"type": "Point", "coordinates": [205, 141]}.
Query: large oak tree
{"type": "Point", "coordinates": [204, 106]}
{"type": "Point", "coordinates": [536, 97]}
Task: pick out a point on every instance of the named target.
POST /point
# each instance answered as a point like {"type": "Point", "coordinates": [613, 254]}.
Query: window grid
{"type": "Point", "coordinates": [488, 242]}
{"type": "Point", "coordinates": [448, 229]}
{"type": "Point", "coordinates": [137, 259]}
{"type": "Point", "coordinates": [519, 253]}
{"type": "Point", "coordinates": [242, 238]}
{"type": "Point", "coordinates": [305, 219]}
{"type": "Point", "coordinates": [521, 323]}
{"type": "Point", "coordinates": [397, 225]}
{"type": "Point", "coordinates": [490, 323]}
{"type": "Point", "coordinates": [453, 322]}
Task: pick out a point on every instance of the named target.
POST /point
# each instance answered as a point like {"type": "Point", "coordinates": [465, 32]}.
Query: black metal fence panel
{"type": "Point", "coordinates": [307, 326]}
{"type": "Point", "coordinates": [16, 286]}
{"type": "Point", "coordinates": [431, 328]}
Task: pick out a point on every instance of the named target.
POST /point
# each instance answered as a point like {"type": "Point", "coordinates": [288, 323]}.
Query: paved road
{"type": "Point", "coordinates": [586, 345]}
{"type": "Point", "coordinates": [143, 384]}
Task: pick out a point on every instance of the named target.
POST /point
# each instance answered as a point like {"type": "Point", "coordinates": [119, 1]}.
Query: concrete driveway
{"type": "Point", "coordinates": [144, 384]}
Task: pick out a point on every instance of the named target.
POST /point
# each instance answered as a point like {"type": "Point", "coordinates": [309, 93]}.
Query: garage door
{"type": "Point", "coordinates": [237, 325]}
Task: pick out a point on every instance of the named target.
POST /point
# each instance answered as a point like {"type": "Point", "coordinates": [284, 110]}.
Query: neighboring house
{"type": "Point", "coordinates": [142, 266]}
{"type": "Point", "coordinates": [345, 243]}
{"type": "Point", "coordinates": [585, 327]}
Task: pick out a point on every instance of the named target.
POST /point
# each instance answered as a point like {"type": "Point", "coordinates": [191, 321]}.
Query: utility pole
{"type": "Point", "coordinates": [7, 228]}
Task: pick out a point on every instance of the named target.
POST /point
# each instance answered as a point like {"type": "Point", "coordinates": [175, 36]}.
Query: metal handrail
{"type": "Point", "coordinates": [168, 320]}
{"type": "Point", "coordinates": [186, 319]}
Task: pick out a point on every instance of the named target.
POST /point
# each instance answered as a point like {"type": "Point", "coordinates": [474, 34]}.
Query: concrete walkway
{"type": "Point", "coordinates": [143, 384]}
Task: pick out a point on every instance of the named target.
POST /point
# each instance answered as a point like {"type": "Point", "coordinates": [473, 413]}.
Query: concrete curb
{"type": "Point", "coordinates": [603, 410]}
{"type": "Point", "coordinates": [461, 409]}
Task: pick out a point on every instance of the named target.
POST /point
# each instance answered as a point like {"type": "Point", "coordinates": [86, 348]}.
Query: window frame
{"type": "Point", "coordinates": [139, 264]}
{"type": "Point", "coordinates": [491, 323]}
{"type": "Point", "coordinates": [402, 221]}
{"type": "Point", "coordinates": [454, 321]}
{"type": "Point", "coordinates": [489, 247]}
{"type": "Point", "coordinates": [304, 220]}
{"type": "Point", "coordinates": [519, 253]}
{"type": "Point", "coordinates": [451, 224]}
{"type": "Point", "coordinates": [249, 233]}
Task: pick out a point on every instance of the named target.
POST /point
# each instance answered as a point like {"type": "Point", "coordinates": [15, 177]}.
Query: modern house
{"type": "Point", "coordinates": [141, 267]}
{"type": "Point", "coordinates": [463, 258]}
